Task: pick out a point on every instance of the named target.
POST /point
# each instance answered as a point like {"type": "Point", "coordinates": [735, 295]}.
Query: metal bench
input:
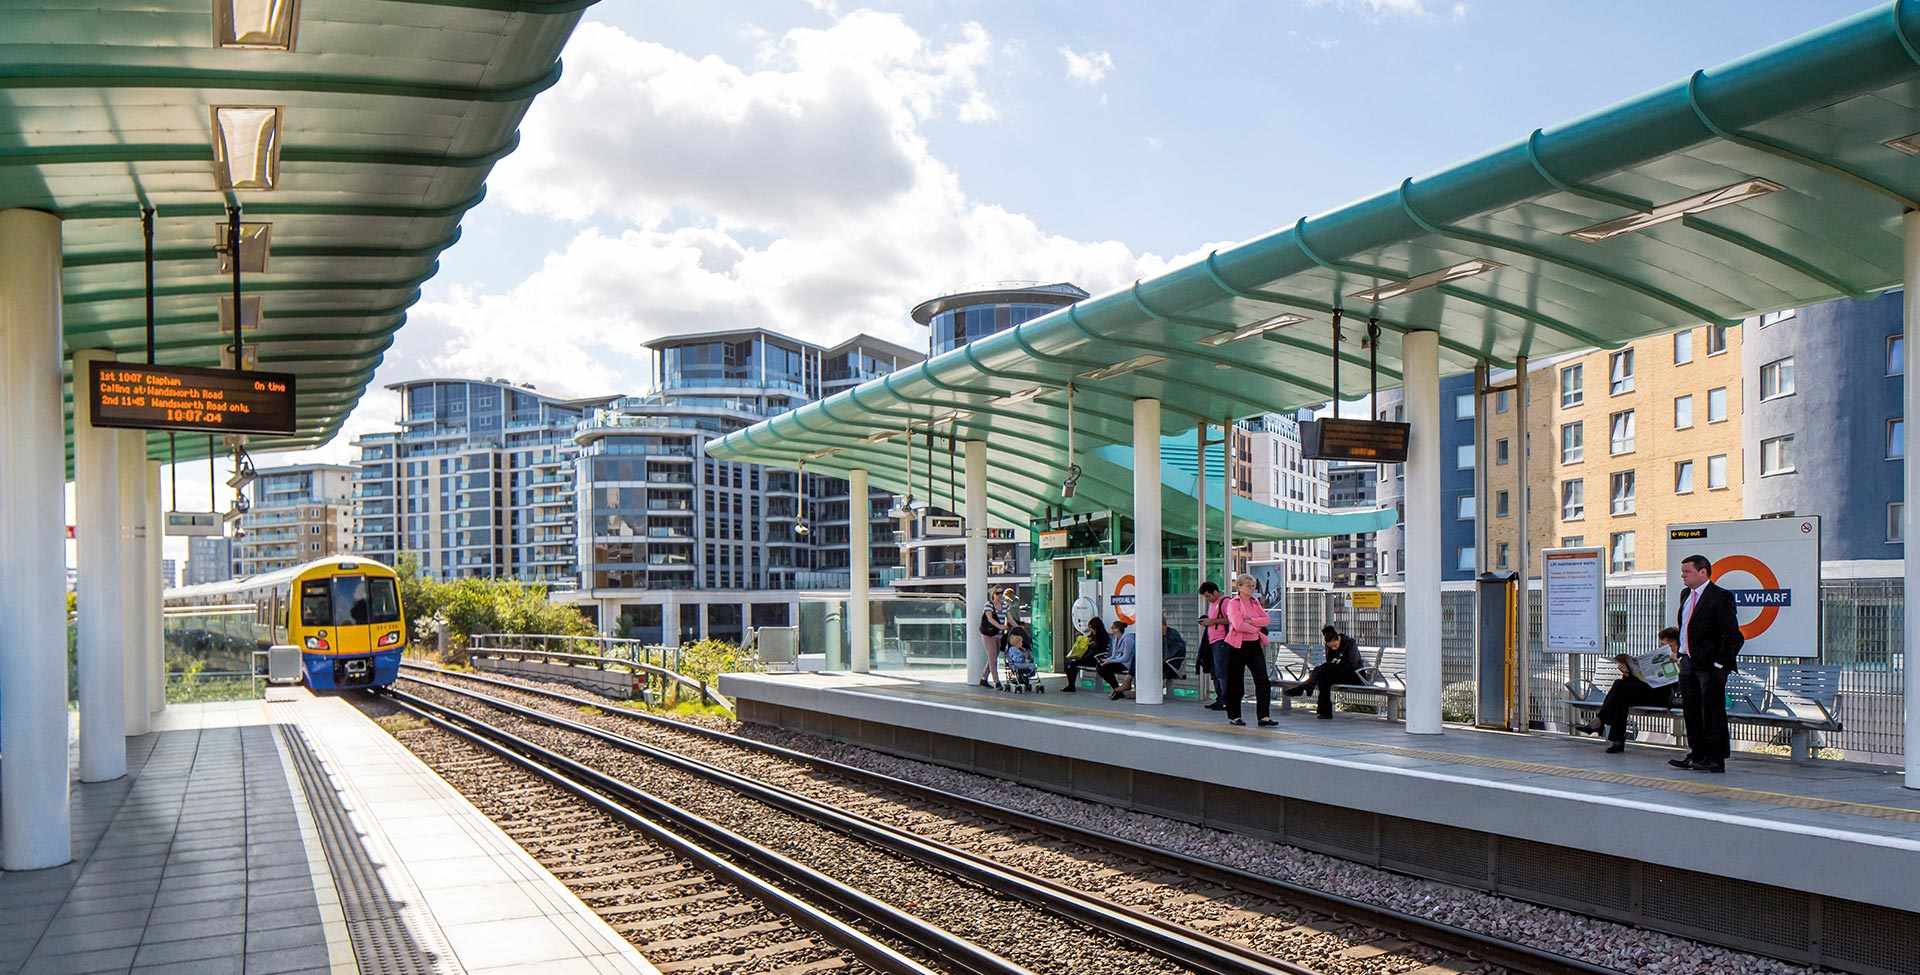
{"type": "Point", "coordinates": [1801, 699]}
{"type": "Point", "coordinates": [1384, 673]}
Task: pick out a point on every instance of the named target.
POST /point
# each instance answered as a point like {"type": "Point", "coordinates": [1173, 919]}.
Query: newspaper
{"type": "Point", "coordinates": [1657, 669]}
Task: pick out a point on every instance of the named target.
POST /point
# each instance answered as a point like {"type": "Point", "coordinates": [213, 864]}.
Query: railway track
{"type": "Point", "coordinates": [696, 911]}
{"type": "Point", "coordinates": [1229, 913]}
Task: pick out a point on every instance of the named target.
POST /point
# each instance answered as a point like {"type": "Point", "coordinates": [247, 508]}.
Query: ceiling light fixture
{"type": "Point", "coordinates": [1026, 395]}
{"type": "Point", "coordinates": [881, 437]}
{"type": "Point", "coordinates": [816, 455]}
{"type": "Point", "coordinates": [1421, 282]}
{"type": "Point", "coordinates": [250, 312]}
{"type": "Point", "coordinates": [255, 25]}
{"type": "Point", "coordinates": [246, 146]}
{"type": "Point", "coordinates": [256, 240]}
{"type": "Point", "coordinates": [1122, 368]}
{"type": "Point", "coordinates": [1699, 203]}
{"type": "Point", "coordinates": [1249, 331]}
{"type": "Point", "coordinates": [249, 358]}
{"type": "Point", "coordinates": [1909, 144]}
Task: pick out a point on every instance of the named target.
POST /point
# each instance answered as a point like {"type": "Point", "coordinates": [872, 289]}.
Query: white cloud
{"type": "Point", "coordinates": [1404, 8]}
{"type": "Point", "coordinates": [1090, 68]}
{"type": "Point", "coordinates": [1156, 143]}
{"type": "Point", "coordinates": [798, 193]}
{"type": "Point", "coordinates": [1459, 11]}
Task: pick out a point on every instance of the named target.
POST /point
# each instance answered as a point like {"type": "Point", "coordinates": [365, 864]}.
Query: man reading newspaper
{"type": "Point", "coordinates": [1645, 681]}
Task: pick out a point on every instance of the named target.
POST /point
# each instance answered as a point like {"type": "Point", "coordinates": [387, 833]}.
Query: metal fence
{"type": "Point", "coordinates": [1860, 625]}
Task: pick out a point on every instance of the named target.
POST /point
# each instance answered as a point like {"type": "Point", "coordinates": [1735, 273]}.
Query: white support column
{"type": "Point", "coordinates": [670, 622]}
{"type": "Point", "coordinates": [1910, 626]}
{"type": "Point", "coordinates": [1149, 685]}
{"type": "Point", "coordinates": [156, 626]}
{"type": "Point", "coordinates": [1226, 505]}
{"type": "Point", "coordinates": [102, 622]}
{"type": "Point", "coordinates": [1420, 371]}
{"type": "Point", "coordinates": [136, 579]}
{"type": "Point", "coordinates": [859, 559]}
{"type": "Point", "coordinates": [34, 825]}
{"type": "Point", "coordinates": [976, 515]}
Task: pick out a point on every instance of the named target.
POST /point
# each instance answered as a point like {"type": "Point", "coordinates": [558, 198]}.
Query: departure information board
{"type": "Point", "coordinates": [143, 397]}
{"type": "Point", "coordinates": [1370, 441]}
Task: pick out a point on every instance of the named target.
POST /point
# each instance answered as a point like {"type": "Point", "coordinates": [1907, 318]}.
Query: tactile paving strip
{"type": "Point", "coordinates": [387, 919]}
{"type": "Point", "coordinates": [1868, 810]}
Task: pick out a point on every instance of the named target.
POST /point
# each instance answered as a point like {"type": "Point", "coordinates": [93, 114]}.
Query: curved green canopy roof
{"type": "Point", "coordinates": [393, 113]}
{"type": "Point", "coordinates": [1179, 492]}
{"type": "Point", "coordinates": [1608, 228]}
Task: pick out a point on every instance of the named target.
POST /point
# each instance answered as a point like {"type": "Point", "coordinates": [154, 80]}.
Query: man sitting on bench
{"type": "Point", "coordinates": [1645, 682]}
{"type": "Point", "coordinates": [1342, 666]}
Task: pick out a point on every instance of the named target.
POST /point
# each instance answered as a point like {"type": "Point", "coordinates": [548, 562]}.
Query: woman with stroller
{"type": "Point", "coordinates": [993, 629]}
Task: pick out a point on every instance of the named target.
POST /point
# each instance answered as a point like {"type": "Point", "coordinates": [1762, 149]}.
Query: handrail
{"type": "Point", "coordinates": [708, 695]}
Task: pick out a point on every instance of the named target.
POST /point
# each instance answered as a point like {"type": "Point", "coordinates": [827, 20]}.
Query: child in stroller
{"type": "Point", "coordinates": [1018, 661]}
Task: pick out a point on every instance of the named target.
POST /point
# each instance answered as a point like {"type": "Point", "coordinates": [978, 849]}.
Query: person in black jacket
{"type": "Point", "coordinates": [1097, 643]}
{"type": "Point", "coordinates": [1710, 642]}
{"type": "Point", "coordinates": [1342, 666]}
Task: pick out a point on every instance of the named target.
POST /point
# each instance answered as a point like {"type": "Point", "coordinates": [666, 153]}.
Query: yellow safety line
{"type": "Point", "coordinates": [1868, 810]}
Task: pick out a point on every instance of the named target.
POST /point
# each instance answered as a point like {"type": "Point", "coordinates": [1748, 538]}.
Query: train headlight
{"type": "Point", "coordinates": [317, 643]}
{"type": "Point", "coordinates": [390, 639]}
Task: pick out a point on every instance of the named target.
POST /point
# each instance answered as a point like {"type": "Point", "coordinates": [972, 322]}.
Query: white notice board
{"type": "Point", "coordinates": [1573, 584]}
{"type": "Point", "coordinates": [1772, 567]}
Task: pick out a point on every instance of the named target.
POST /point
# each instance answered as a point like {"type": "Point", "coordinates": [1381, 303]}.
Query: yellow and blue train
{"type": "Point", "coordinates": [343, 613]}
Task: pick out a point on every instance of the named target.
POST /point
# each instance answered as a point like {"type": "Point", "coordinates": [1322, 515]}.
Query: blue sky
{"type": "Point", "coordinates": [818, 167]}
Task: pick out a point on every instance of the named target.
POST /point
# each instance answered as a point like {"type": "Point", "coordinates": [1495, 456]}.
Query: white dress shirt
{"type": "Point", "coordinates": [1686, 617]}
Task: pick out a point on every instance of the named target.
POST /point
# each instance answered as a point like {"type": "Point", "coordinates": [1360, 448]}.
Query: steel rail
{"type": "Point", "coordinates": [1201, 952]}
{"type": "Point", "coordinates": [612, 796]}
{"type": "Point", "coordinates": [1512, 955]}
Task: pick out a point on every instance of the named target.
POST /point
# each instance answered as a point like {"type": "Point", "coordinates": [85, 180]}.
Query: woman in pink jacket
{"type": "Point", "coordinates": [1246, 635]}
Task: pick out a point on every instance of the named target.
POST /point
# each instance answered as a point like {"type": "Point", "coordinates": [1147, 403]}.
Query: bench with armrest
{"type": "Point", "coordinates": [1799, 698]}
{"type": "Point", "coordinates": [1383, 672]}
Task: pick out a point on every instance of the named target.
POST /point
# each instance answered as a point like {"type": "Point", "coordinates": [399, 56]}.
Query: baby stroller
{"type": "Point", "coordinates": [1016, 671]}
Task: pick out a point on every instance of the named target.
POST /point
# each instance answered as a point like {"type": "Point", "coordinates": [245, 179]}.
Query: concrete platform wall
{"type": "Point", "coordinates": [1794, 925]}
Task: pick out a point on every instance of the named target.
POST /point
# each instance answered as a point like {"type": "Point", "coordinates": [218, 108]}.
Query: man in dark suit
{"type": "Point", "coordinates": [1342, 666]}
{"type": "Point", "coordinates": [1710, 642]}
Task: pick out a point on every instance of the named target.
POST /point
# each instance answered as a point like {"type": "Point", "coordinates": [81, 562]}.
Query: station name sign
{"type": "Point", "coordinates": [142, 397]}
{"type": "Point", "coordinates": [1369, 441]}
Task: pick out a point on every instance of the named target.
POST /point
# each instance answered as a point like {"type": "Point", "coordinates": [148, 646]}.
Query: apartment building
{"type": "Point", "coordinates": [298, 513]}
{"type": "Point", "coordinates": [1273, 471]}
{"type": "Point", "coordinates": [476, 481]}
{"type": "Point", "coordinates": [209, 559]}
{"type": "Point", "coordinates": [675, 546]}
{"type": "Point", "coordinates": [1623, 443]}
{"type": "Point", "coordinates": [1352, 558]}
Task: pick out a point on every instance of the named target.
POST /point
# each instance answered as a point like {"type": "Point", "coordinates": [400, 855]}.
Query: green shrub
{"type": "Point", "coordinates": [1457, 702]}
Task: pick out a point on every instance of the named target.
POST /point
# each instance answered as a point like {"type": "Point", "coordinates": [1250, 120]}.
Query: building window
{"type": "Point", "coordinates": [1717, 405]}
{"type": "Point", "coordinates": [1683, 412]}
{"type": "Point", "coordinates": [1896, 355]}
{"type": "Point", "coordinates": [1897, 522]}
{"type": "Point", "coordinates": [1466, 507]}
{"type": "Point", "coordinates": [1500, 504]}
{"type": "Point", "coordinates": [1622, 545]}
{"type": "Point", "coordinates": [1463, 457]}
{"type": "Point", "coordinates": [1623, 493]}
{"type": "Point", "coordinates": [1620, 432]}
{"type": "Point", "coordinates": [1896, 438]}
{"type": "Point", "coordinates": [1573, 500]}
{"type": "Point", "coordinates": [1717, 472]}
{"type": "Point", "coordinates": [1776, 317]}
{"type": "Point", "coordinates": [1683, 347]}
{"type": "Point", "coordinates": [1502, 553]}
{"type": "Point", "coordinates": [1776, 379]}
{"type": "Point", "coordinates": [1776, 455]}
{"type": "Point", "coordinates": [1716, 339]}
{"type": "Point", "coordinates": [1572, 541]}
{"type": "Point", "coordinates": [1500, 451]}
{"type": "Point", "coordinates": [1463, 406]}
{"type": "Point", "coordinates": [1467, 559]}
{"type": "Point", "coordinates": [1573, 389]}
{"type": "Point", "coordinates": [1500, 401]}
{"type": "Point", "coordinates": [1620, 372]}
{"type": "Point", "coordinates": [1573, 442]}
{"type": "Point", "coordinates": [1683, 477]}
